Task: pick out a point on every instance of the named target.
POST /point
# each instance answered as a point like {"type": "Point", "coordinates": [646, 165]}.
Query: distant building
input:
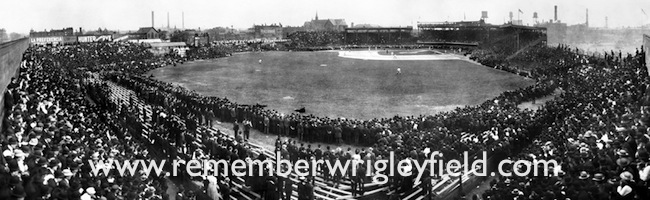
{"type": "Point", "coordinates": [578, 33]}
{"type": "Point", "coordinates": [3, 35]}
{"type": "Point", "coordinates": [145, 33]}
{"type": "Point", "coordinates": [195, 38]}
{"type": "Point", "coordinates": [225, 33]}
{"type": "Point", "coordinates": [98, 32]}
{"type": "Point", "coordinates": [556, 32]}
{"type": "Point", "coordinates": [336, 25]}
{"type": "Point", "coordinates": [62, 32]}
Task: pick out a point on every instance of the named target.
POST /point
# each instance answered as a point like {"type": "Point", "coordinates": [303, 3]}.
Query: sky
{"type": "Point", "coordinates": [24, 15]}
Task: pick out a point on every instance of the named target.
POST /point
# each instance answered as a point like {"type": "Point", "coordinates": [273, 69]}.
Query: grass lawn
{"type": "Point", "coordinates": [327, 85]}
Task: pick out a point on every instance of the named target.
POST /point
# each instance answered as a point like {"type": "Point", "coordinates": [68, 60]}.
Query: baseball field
{"type": "Point", "coordinates": [329, 84]}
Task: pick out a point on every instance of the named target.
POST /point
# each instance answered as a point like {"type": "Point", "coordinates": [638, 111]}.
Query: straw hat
{"type": "Point", "coordinates": [583, 175]}
{"type": "Point", "coordinates": [623, 162]}
{"type": "Point", "coordinates": [598, 177]}
{"type": "Point", "coordinates": [626, 176]}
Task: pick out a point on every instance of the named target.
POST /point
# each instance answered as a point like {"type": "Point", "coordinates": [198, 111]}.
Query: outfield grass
{"type": "Point", "coordinates": [327, 85]}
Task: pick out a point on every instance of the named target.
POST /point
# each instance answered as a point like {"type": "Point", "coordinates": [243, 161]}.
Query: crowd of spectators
{"type": "Point", "coordinates": [210, 52]}
{"type": "Point", "coordinates": [380, 38]}
{"type": "Point", "coordinates": [307, 40]}
{"type": "Point", "coordinates": [60, 116]}
{"type": "Point", "coordinates": [51, 131]}
{"type": "Point", "coordinates": [598, 136]}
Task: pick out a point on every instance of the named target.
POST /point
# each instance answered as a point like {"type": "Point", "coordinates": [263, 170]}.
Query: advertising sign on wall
{"type": "Point", "coordinates": [95, 38]}
{"type": "Point", "coordinates": [46, 40]}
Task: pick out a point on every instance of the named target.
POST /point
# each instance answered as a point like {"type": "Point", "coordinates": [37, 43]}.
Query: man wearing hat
{"type": "Point", "coordinates": [623, 153]}
{"type": "Point", "coordinates": [305, 190]}
{"type": "Point", "coordinates": [224, 187]}
{"type": "Point", "coordinates": [407, 181]}
{"type": "Point", "coordinates": [583, 178]}
{"type": "Point", "coordinates": [624, 164]}
{"type": "Point", "coordinates": [67, 174]}
{"type": "Point", "coordinates": [626, 187]}
{"type": "Point", "coordinates": [13, 144]}
{"type": "Point", "coordinates": [89, 194]}
{"type": "Point", "coordinates": [18, 193]}
{"type": "Point", "coordinates": [271, 192]}
{"type": "Point", "coordinates": [113, 193]}
{"type": "Point", "coordinates": [54, 165]}
{"type": "Point", "coordinates": [601, 188]}
{"type": "Point", "coordinates": [516, 193]}
{"type": "Point", "coordinates": [644, 171]}
{"type": "Point", "coordinates": [287, 187]}
{"type": "Point", "coordinates": [20, 160]}
{"type": "Point", "coordinates": [599, 177]}
{"type": "Point", "coordinates": [40, 166]}
{"type": "Point", "coordinates": [5, 192]}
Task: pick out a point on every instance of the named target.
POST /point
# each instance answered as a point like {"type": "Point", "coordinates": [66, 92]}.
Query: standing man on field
{"type": "Point", "coordinates": [247, 128]}
{"type": "Point", "coordinates": [266, 124]}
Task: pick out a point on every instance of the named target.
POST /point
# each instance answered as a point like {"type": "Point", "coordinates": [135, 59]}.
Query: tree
{"type": "Point", "coordinates": [164, 35]}
{"type": "Point", "coordinates": [179, 36]}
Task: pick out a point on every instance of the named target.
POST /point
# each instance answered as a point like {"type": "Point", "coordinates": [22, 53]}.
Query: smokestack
{"type": "Point", "coordinates": [587, 17]}
{"type": "Point", "coordinates": [555, 13]}
{"type": "Point", "coordinates": [152, 19]}
{"type": "Point", "coordinates": [183, 15]}
{"type": "Point", "coordinates": [606, 25]}
{"type": "Point", "coordinates": [167, 20]}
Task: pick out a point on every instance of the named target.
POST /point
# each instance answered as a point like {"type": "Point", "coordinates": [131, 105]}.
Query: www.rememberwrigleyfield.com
{"type": "Point", "coordinates": [379, 169]}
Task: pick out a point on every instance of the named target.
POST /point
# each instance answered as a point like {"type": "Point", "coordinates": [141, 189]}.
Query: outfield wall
{"type": "Point", "coordinates": [11, 55]}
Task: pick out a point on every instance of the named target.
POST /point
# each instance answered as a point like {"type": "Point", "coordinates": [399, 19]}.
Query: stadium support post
{"type": "Point", "coordinates": [517, 39]}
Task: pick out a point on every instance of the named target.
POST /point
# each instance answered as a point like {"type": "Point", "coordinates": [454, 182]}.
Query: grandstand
{"type": "Point", "coordinates": [379, 36]}
{"type": "Point", "coordinates": [508, 38]}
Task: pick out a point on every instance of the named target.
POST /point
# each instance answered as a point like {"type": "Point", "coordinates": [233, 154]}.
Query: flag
{"type": "Point", "coordinates": [521, 11]}
{"type": "Point", "coordinates": [644, 12]}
